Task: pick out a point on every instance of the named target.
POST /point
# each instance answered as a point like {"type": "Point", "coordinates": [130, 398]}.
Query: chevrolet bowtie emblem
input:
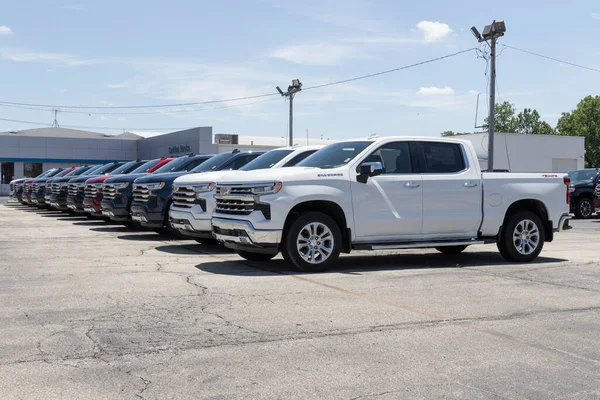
{"type": "Point", "coordinates": [223, 190]}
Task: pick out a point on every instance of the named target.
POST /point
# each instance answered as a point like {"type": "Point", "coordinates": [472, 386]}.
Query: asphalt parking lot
{"type": "Point", "coordinates": [98, 311]}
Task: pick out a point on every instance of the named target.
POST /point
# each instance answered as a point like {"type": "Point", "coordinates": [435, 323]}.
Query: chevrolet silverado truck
{"type": "Point", "coordinates": [152, 195]}
{"type": "Point", "coordinates": [583, 185]}
{"type": "Point", "coordinates": [16, 186]}
{"type": "Point", "coordinates": [60, 186]}
{"type": "Point", "coordinates": [92, 194]}
{"type": "Point", "coordinates": [38, 188]}
{"type": "Point", "coordinates": [77, 186]}
{"type": "Point", "coordinates": [45, 203]}
{"type": "Point", "coordinates": [193, 201]}
{"type": "Point", "coordinates": [387, 193]}
{"type": "Point", "coordinates": [118, 190]}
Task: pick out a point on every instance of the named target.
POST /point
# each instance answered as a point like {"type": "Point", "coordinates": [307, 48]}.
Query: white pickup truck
{"type": "Point", "coordinates": [387, 193]}
{"type": "Point", "coordinates": [193, 201]}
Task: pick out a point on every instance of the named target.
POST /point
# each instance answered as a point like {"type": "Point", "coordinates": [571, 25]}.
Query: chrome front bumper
{"type": "Point", "coordinates": [242, 232]}
{"type": "Point", "coordinates": [563, 223]}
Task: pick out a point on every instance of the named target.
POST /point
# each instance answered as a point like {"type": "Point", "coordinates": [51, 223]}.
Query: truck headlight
{"type": "Point", "coordinates": [121, 185]}
{"type": "Point", "coordinates": [270, 188]}
{"type": "Point", "coordinates": [155, 186]}
{"type": "Point", "coordinates": [203, 188]}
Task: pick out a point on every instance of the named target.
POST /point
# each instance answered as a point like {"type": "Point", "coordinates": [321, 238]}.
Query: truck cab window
{"type": "Point", "coordinates": [443, 158]}
{"type": "Point", "coordinates": [395, 158]}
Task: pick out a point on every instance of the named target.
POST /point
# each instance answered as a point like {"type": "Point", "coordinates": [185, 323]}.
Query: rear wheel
{"type": "Point", "coordinates": [451, 249]}
{"type": "Point", "coordinates": [250, 256]}
{"type": "Point", "coordinates": [312, 243]}
{"type": "Point", "coordinates": [584, 208]}
{"type": "Point", "coordinates": [522, 238]}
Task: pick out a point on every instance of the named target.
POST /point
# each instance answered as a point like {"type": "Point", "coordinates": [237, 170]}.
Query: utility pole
{"type": "Point", "coordinates": [491, 33]}
{"type": "Point", "coordinates": [55, 123]}
{"type": "Point", "coordinates": [294, 88]}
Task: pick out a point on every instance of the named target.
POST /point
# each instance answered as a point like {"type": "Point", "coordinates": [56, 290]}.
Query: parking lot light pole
{"type": "Point", "coordinates": [491, 33]}
{"type": "Point", "coordinates": [294, 88]}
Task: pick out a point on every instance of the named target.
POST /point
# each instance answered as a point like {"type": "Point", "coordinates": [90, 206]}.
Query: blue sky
{"type": "Point", "coordinates": [150, 52]}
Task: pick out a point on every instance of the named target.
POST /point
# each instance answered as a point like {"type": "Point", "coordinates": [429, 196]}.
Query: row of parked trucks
{"type": "Point", "coordinates": [312, 203]}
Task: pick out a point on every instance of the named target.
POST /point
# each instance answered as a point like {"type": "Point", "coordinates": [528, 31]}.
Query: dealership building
{"type": "Point", "coordinates": [27, 153]}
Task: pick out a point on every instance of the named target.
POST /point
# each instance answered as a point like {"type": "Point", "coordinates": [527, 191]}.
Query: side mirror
{"type": "Point", "coordinates": [371, 168]}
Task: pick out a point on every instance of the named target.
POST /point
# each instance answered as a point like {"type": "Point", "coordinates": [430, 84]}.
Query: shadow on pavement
{"type": "Point", "coordinates": [142, 236]}
{"type": "Point", "coordinates": [193, 248]}
{"type": "Point", "coordinates": [72, 218]}
{"type": "Point", "coordinates": [358, 264]}
{"type": "Point", "coordinates": [90, 222]}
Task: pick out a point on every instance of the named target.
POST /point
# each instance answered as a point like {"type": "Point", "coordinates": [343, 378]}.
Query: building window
{"type": "Point", "coordinates": [31, 170]}
{"type": "Point", "coordinates": [7, 172]}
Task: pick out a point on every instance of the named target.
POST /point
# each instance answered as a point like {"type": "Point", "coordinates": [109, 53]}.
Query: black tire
{"type": "Point", "coordinates": [508, 243]}
{"type": "Point", "coordinates": [584, 208]}
{"type": "Point", "coordinates": [289, 248]}
{"type": "Point", "coordinates": [451, 249]}
{"type": "Point", "coordinates": [260, 257]}
{"type": "Point", "coordinates": [207, 241]}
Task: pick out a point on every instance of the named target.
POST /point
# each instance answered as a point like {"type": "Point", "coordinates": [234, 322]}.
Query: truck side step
{"type": "Point", "coordinates": [413, 245]}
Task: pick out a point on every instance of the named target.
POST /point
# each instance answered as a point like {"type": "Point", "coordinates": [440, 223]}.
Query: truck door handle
{"type": "Point", "coordinates": [469, 184]}
{"type": "Point", "coordinates": [411, 185]}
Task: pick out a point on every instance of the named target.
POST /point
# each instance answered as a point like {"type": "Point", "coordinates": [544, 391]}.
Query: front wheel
{"type": "Point", "coordinates": [451, 249]}
{"type": "Point", "coordinates": [250, 256]}
{"type": "Point", "coordinates": [522, 238]}
{"type": "Point", "coordinates": [584, 208]}
{"type": "Point", "coordinates": [312, 243]}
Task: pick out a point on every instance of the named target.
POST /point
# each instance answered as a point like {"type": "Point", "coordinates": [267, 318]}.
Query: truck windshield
{"type": "Point", "coordinates": [267, 160]}
{"type": "Point", "coordinates": [145, 166]}
{"type": "Point", "coordinates": [583, 175]}
{"type": "Point", "coordinates": [173, 166]}
{"type": "Point", "coordinates": [92, 169]}
{"type": "Point", "coordinates": [125, 168]}
{"type": "Point", "coordinates": [213, 163]}
{"type": "Point", "coordinates": [335, 155]}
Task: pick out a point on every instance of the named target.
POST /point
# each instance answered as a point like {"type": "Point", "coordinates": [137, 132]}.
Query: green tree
{"type": "Point", "coordinates": [448, 133]}
{"type": "Point", "coordinates": [504, 121]}
{"type": "Point", "coordinates": [529, 123]}
{"type": "Point", "coordinates": [452, 133]}
{"type": "Point", "coordinates": [584, 121]}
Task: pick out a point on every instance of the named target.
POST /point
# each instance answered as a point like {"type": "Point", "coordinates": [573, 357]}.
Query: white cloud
{"type": "Point", "coordinates": [433, 31]}
{"type": "Point", "coordinates": [432, 90]}
{"type": "Point", "coordinates": [115, 85]}
{"type": "Point", "coordinates": [596, 15]}
{"type": "Point", "coordinates": [316, 54]}
{"type": "Point", "coordinates": [5, 30]}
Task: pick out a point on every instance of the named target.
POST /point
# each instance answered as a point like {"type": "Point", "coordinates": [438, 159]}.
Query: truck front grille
{"type": "Point", "coordinates": [183, 196]}
{"type": "Point", "coordinates": [235, 205]}
{"type": "Point", "coordinates": [75, 189]}
{"type": "Point", "coordinates": [109, 191]}
{"type": "Point", "coordinates": [36, 187]}
{"type": "Point", "coordinates": [56, 188]}
{"type": "Point", "coordinates": [140, 193]}
{"type": "Point", "coordinates": [90, 190]}
{"type": "Point", "coordinates": [49, 188]}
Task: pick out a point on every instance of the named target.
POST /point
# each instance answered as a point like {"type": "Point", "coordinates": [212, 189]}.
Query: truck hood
{"type": "Point", "coordinates": [20, 180]}
{"type": "Point", "coordinates": [82, 179]}
{"type": "Point", "coordinates": [582, 184]}
{"type": "Point", "coordinates": [41, 180]}
{"type": "Point", "coordinates": [98, 179]}
{"type": "Point", "coordinates": [204, 177]}
{"type": "Point", "coordinates": [124, 178]}
{"type": "Point", "coordinates": [154, 178]}
{"type": "Point", "coordinates": [283, 175]}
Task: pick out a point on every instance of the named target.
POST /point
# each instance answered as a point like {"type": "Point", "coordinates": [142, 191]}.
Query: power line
{"type": "Point", "coordinates": [389, 70]}
{"type": "Point", "coordinates": [93, 127]}
{"type": "Point", "coordinates": [550, 58]}
{"type": "Point", "coordinates": [2, 104]}
{"type": "Point", "coordinates": [63, 107]}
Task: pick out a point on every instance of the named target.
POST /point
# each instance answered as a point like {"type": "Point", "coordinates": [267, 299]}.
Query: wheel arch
{"type": "Point", "coordinates": [330, 208]}
{"type": "Point", "coordinates": [537, 207]}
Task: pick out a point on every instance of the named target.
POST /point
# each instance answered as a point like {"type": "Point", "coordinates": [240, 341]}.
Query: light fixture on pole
{"type": "Point", "coordinates": [294, 88]}
{"type": "Point", "coordinates": [490, 33]}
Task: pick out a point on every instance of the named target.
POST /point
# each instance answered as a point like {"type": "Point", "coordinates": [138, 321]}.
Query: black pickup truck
{"type": "Point", "coordinates": [583, 185]}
